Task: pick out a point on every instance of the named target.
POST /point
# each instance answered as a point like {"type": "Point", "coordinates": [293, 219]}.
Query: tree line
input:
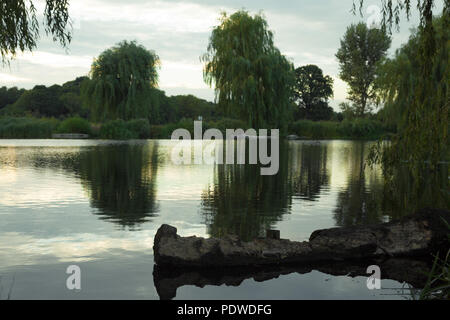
{"type": "Point", "coordinates": [64, 101]}
{"type": "Point", "coordinates": [255, 82]}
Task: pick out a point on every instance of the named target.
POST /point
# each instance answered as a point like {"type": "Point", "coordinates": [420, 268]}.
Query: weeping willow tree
{"type": "Point", "coordinates": [20, 28]}
{"type": "Point", "coordinates": [420, 89]}
{"type": "Point", "coordinates": [414, 88]}
{"type": "Point", "coordinates": [122, 83]}
{"type": "Point", "coordinates": [252, 79]}
{"type": "Point", "coordinates": [402, 85]}
{"type": "Point", "coordinates": [419, 107]}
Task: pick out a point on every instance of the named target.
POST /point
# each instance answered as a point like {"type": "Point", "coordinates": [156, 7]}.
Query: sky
{"type": "Point", "coordinates": [306, 31]}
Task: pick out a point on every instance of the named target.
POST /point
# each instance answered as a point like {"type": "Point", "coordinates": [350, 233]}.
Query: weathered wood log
{"type": "Point", "coordinates": [416, 235]}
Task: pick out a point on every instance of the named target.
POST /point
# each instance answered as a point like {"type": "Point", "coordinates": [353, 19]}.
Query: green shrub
{"type": "Point", "coordinates": [117, 130]}
{"type": "Point", "coordinates": [165, 131]}
{"type": "Point", "coordinates": [139, 128]}
{"type": "Point", "coordinates": [27, 128]}
{"type": "Point", "coordinates": [315, 130]}
{"type": "Point", "coordinates": [347, 129]}
{"type": "Point", "coordinates": [75, 125]}
{"type": "Point", "coordinates": [122, 130]}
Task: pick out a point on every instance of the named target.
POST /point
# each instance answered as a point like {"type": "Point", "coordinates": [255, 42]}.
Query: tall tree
{"type": "Point", "coordinates": [361, 49]}
{"type": "Point", "coordinates": [251, 77]}
{"type": "Point", "coordinates": [423, 137]}
{"type": "Point", "coordinates": [20, 27]}
{"type": "Point", "coordinates": [122, 82]}
{"type": "Point", "coordinates": [311, 92]}
{"type": "Point", "coordinates": [401, 84]}
{"type": "Point", "coordinates": [9, 96]}
{"type": "Point", "coordinates": [41, 101]}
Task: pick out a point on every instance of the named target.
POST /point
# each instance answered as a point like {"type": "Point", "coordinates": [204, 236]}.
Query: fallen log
{"type": "Point", "coordinates": [421, 234]}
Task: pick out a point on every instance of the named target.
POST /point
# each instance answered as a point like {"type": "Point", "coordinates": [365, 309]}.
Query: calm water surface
{"type": "Point", "coordinates": [98, 205]}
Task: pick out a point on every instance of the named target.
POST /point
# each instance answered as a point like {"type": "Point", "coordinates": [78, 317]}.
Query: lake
{"type": "Point", "coordinates": [98, 205]}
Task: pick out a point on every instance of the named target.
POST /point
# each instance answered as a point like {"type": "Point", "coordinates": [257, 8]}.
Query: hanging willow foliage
{"type": "Point", "coordinates": [252, 79]}
{"type": "Point", "coordinates": [122, 83]}
{"type": "Point", "coordinates": [421, 89]}
{"type": "Point", "coordinates": [418, 104]}
{"type": "Point", "coordinates": [20, 28]}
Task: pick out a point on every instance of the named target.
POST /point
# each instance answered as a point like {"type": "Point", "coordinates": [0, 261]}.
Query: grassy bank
{"type": "Point", "coordinates": [355, 129]}
{"type": "Point", "coordinates": [43, 128]}
{"type": "Point", "coordinates": [27, 128]}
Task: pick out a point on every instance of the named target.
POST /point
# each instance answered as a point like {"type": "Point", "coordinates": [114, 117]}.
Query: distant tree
{"type": "Point", "coordinates": [252, 79]}
{"type": "Point", "coordinates": [361, 49]}
{"type": "Point", "coordinates": [9, 96]}
{"type": "Point", "coordinates": [311, 93]}
{"type": "Point", "coordinates": [191, 107]}
{"type": "Point", "coordinates": [41, 101]}
{"type": "Point", "coordinates": [70, 97]}
{"type": "Point", "coordinates": [20, 27]}
{"type": "Point", "coordinates": [348, 111]}
{"type": "Point", "coordinates": [122, 82]}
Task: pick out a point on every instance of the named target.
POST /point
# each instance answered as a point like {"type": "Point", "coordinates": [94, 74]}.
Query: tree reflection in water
{"type": "Point", "coordinates": [369, 197]}
{"type": "Point", "coordinates": [243, 202]}
{"type": "Point", "coordinates": [120, 181]}
{"type": "Point", "coordinates": [309, 172]}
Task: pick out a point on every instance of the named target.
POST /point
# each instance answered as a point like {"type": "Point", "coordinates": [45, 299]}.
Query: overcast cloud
{"type": "Point", "coordinates": [307, 32]}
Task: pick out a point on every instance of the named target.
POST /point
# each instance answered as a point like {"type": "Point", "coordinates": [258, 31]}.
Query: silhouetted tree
{"type": "Point", "coordinates": [311, 93]}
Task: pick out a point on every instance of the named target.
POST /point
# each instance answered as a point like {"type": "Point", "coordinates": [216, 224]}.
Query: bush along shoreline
{"type": "Point", "coordinates": [44, 128]}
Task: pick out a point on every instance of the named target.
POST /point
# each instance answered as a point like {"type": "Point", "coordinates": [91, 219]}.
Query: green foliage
{"type": "Point", "coordinates": [9, 96]}
{"type": "Point", "coordinates": [121, 83]}
{"type": "Point", "coordinates": [252, 79]}
{"type": "Point", "coordinates": [116, 130]}
{"type": "Point", "coordinates": [75, 125]}
{"type": "Point", "coordinates": [190, 107]}
{"type": "Point", "coordinates": [347, 129]}
{"type": "Point", "coordinates": [20, 27]}
{"type": "Point", "coordinates": [438, 282]}
{"type": "Point", "coordinates": [41, 101]}
{"type": "Point", "coordinates": [311, 93]}
{"type": "Point", "coordinates": [361, 49]}
{"type": "Point", "coordinates": [363, 128]}
{"type": "Point", "coordinates": [416, 97]}
{"type": "Point", "coordinates": [315, 130]}
{"type": "Point", "coordinates": [139, 127]}
{"type": "Point", "coordinates": [123, 130]}
{"type": "Point", "coordinates": [70, 98]}
{"type": "Point", "coordinates": [27, 128]}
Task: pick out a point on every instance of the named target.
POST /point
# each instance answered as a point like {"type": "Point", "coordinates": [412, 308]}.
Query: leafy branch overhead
{"type": "Point", "coordinates": [20, 29]}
